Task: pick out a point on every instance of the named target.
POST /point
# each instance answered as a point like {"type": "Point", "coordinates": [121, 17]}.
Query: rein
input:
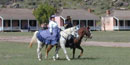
{"type": "Point", "coordinates": [66, 34]}
{"type": "Point", "coordinates": [71, 30]}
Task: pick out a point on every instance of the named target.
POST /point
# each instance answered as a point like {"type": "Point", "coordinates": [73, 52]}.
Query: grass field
{"type": "Point", "coordinates": [111, 36]}
{"type": "Point", "coordinates": [12, 53]}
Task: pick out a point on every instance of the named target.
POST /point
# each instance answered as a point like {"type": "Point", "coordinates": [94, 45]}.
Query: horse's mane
{"type": "Point", "coordinates": [82, 28]}
{"type": "Point", "coordinates": [68, 31]}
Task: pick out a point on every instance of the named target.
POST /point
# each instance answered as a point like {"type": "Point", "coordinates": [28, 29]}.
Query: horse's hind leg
{"type": "Point", "coordinates": [47, 50]}
{"type": "Point", "coordinates": [81, 53]}
{"type": "Point", "coordinates": [39, 48]}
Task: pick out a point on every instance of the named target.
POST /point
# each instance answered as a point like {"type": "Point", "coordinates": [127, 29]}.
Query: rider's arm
{"type": "Point", "coordinates": [50, 27]}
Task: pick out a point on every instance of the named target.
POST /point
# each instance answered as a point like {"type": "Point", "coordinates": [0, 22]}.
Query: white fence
{"type": "Point", "coordinates": [16, 28]}
{"type": "Point", "coordinates": [95, 27]}
{"type": "Point", "coordinates": [121, 27]}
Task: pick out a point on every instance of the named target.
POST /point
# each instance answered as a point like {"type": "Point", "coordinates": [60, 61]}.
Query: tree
{"type": "Point", "coordinates": [43, 12]}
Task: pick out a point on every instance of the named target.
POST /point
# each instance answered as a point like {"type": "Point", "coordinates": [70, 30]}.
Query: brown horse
{"type": "Point", "coordinates": [74, 42]}
{"type": "Point", "coordinates": [77, 41]}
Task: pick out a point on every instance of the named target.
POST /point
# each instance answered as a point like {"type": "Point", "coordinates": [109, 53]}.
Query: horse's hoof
{"type": "Point", "coordinates": [73, 57]}
{"type": "Point", "coordinates": [78, 56]}
{"type": "Point", "coordinates": [57, 57]}
{"type": "Point", "coordinates": [54, 58]}
{"type": "Point", "coordinates": [68, 59]}
{"type": "Point", "coordinates": [40, 59]}
{"type": "Point", "coordinates": [46, 57]}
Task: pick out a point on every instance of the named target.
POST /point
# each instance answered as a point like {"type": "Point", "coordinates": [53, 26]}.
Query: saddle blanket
{"type": "Point", "coordinates": [45, 36]}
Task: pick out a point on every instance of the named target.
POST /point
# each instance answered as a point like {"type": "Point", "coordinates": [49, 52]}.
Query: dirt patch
{"type": "Point", "coordinates": [27, 39]}
{"type": "Point", "coordinates": [106, 44]}
{"type": "Point", "coordinates": [15, 38]}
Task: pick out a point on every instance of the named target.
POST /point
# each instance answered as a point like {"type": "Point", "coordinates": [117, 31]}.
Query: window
{"type": "Point", "coordinates": [0, 22]}
{"type": "Point", "coordinates": [75, 22]}
{"type": "Point", "coordinates": [6, 23]}
{"type": "Point", "coordinates": [82, 23]}
{"type": "Point", "coordinates": [127, 22]}
{"type": "Point", "coordinates": [15, 23]}
{"type": "Point", "coordinates": [24, 24]}
{"type": "Point", "coordinates": [32, 22]}
{"type": "Point", "coordinates": [121, 22]}
{"type": "Point", "coordinates": [115, 22]}
{"type": "Point", "coordinates": [90, 23]}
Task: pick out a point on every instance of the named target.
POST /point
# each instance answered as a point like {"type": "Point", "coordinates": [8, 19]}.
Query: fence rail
{"type": "Point", "coordinates": [121, 27]}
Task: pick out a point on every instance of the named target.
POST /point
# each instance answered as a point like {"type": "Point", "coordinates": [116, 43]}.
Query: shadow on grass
{"type": "Point", "coordinates": [85, 58]}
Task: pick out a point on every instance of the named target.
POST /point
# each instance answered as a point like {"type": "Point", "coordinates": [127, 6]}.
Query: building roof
{"type": "Point", "coordinates": [16, 13]}
{"type": "Point", "coordinates": [122, 14]}
{"type": "Point", "coordinates": [78, 14]}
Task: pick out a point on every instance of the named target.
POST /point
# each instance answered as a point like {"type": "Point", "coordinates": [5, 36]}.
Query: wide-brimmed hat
{"type": "Point", "coordinates": [68, 17]}
{"type": "Point", "coordinates": [52, 16]}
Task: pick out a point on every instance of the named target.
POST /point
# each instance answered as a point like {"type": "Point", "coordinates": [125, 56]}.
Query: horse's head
{"type": "Point", "coordinates": [85, 31]}
{"type": "Point", "coordinates": [88, 32]}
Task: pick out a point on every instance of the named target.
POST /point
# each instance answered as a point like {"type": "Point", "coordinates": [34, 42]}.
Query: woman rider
{"type": "Point", "coordinates": [51, 35]}
{"type": "Point", "coordinates": [54, 30]}
{"type": "Point", "coordinates": [54, 33]}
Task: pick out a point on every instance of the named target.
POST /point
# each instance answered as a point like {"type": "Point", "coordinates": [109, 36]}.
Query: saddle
{"type": "Point", "coordinates": [70, 41]}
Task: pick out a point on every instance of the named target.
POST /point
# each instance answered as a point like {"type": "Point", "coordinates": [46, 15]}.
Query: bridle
{"type": "Point", "coordinates": [88, 32]}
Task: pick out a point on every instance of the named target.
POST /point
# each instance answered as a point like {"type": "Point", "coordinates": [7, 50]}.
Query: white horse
{"type": "Point", "coordinates": [63, 38]}
{"type": "Point", "coordinates": [65, 33]}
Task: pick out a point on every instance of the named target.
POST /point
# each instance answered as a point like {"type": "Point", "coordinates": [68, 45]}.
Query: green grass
{"type": "Point", "coordinates": [111, 36]}
{"type": "Point", "coordinates": [18, 54]}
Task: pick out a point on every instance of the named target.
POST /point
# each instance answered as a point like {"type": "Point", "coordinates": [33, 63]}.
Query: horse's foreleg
{"type": "Point", "coordinates": [81, 53]}
{"type": "Point", "coordinates": [62, 44]}
{"type": "Point", "coordinates": [47, 51]}
{"type": "Point", "coordinates": [57, 49]}
{"type": "Point", "coordinates": [74, 52]}
{"type": "Point", "coordinates": [39, 48]}
{"type": "Point", "coordinates": [65, 52]}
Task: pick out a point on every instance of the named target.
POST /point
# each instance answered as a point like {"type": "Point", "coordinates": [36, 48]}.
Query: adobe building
{"type": "Point", "coordinates": [116, 20]}
{"type": "Point", "coordinates": [12, 19]}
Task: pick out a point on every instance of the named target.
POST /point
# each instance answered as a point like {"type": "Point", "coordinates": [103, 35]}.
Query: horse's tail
{"type": "Point", "coordinates": [34, 38]}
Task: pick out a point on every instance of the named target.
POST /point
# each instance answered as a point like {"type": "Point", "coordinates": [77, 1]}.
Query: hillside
{"type": "Point", "coordinates": [98, 6]}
